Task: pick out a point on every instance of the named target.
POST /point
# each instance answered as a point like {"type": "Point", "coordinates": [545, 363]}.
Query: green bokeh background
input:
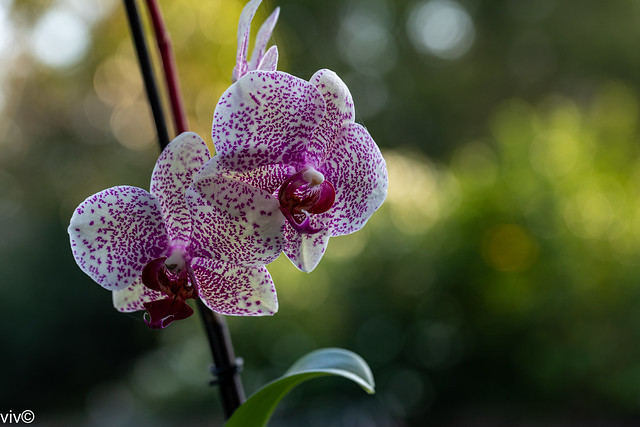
{"type": "Point", "coordinates": [498, 284]}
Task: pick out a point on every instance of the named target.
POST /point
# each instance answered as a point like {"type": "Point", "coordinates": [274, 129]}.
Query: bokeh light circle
{"type": "Point", "coordinates": [60, 38]}
{"type": "Point", "coordinates": [441, 28]}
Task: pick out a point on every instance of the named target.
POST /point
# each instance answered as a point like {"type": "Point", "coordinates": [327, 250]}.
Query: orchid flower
{"type": "Point", "coordinates": [293, 148]}
{"type": "Point", "coordinates": [139, 245]}
{"type": "Point", "coordinates": [259, 59]}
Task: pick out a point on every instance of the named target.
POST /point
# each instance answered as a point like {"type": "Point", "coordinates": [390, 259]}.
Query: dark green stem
{"type": "Point", "coordinates": [147, 72]}
{"type": "Point", "coordinates": [227, 370]}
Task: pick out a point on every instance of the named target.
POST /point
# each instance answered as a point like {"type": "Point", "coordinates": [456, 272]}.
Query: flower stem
{"type": "Point", "coordinates": [169, 64]}
{"type": "Point", "coordinates": [147, 72]}
{"type": "Point", "coordinates": [226, 370]}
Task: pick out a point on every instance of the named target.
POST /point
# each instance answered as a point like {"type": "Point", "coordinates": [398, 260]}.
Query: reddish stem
{"type": "Point", "coordinates": [169, 65]}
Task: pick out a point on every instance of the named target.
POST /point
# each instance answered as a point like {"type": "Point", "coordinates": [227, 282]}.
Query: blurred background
{"type": "Point", "coordinates": [498, 284]}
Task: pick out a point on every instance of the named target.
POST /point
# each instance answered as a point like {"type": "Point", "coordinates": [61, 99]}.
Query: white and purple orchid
{"type": "Point", "coordinates": [141, 246]}
{"type": "Point", "coordinates": [292, 150]}
{"type": "Point", "coordinates": [260, 60]}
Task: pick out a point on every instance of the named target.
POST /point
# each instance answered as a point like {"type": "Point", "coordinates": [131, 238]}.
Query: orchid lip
{"type": "Point", "coordinates": [162, 313]}
{"type": "Point", "coordinates": [305, 193]}
{"type": "Point", "coordinates": [303, 227]}
{"type": "Point", "coordinates": [174, 278]}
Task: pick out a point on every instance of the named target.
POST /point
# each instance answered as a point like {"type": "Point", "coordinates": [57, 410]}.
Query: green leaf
{"type": "Point", "coordinates": [257, 410]}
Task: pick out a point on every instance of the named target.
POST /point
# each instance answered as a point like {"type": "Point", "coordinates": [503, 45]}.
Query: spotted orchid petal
{"type": "Point", "coordinates": [235, 222]}
{"type": "Point", "coordinates": [339, 106]}
{"type": "Point", "coordinates": [267, 177]}
{"type": "Point", "coordinates": [269, 61]}
{"type": "Point", "coordinates": [358, 172]}
{"type": "Point", "coordinates": [134, 297]}
{"type": "Point", "coordinates": [115, 233]}
{"type": "Point", "coordinates": [306, 250]}
{"type": "Point", "coordinates": [173, 173]}
{"type": "Point", "coordinates": [243, 66]}
{"type": "Point", "coordinates": [267, 118]}
{"type": "Point", "coordinates": [235, 290]}
{"type": "Point", "coordinates": [264, 34]}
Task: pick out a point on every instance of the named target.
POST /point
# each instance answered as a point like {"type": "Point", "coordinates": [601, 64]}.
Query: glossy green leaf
{"type": "Point", "coordinates": [257, 410]}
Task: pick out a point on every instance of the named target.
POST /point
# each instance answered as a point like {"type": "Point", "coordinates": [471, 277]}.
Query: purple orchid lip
{"type": "Point", "coordinates": [303, 227]}
{"type": "Point", "coordinates": [164, 312]}
{"type": "Point", "coordinates": [305, 193]}
{"type": "Point", "coordinates": [158, 276]}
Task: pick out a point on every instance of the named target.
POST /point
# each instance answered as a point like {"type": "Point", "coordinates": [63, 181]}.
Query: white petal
{"type": "Point", "coordinates": [132, 298]}
{"type": "Point", "coordinates": [264, 34]}
{"type": "Point", "coordinates": [306, 250]}
{"type": "Point", "coordinates": [234, 290]}
{"type": "Point", "coordinates": [173, 173]}
{"type": "Point", "coordinates": [115, 233]}
{"type": "Point", "coordinates": [235, 222]}
{"type": "Point", "coordinates": [244, 31]}
{"type": "Point", "coordinates": [268, 118]}
{"type": "Point", "coordinates": [269, 61]}
{"type": "Point", "coordinates": [339, 106]}
{"type": "Point", "coordinates": [358, 173]}
{"type": "Point", "coordinates": [267, 177]}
